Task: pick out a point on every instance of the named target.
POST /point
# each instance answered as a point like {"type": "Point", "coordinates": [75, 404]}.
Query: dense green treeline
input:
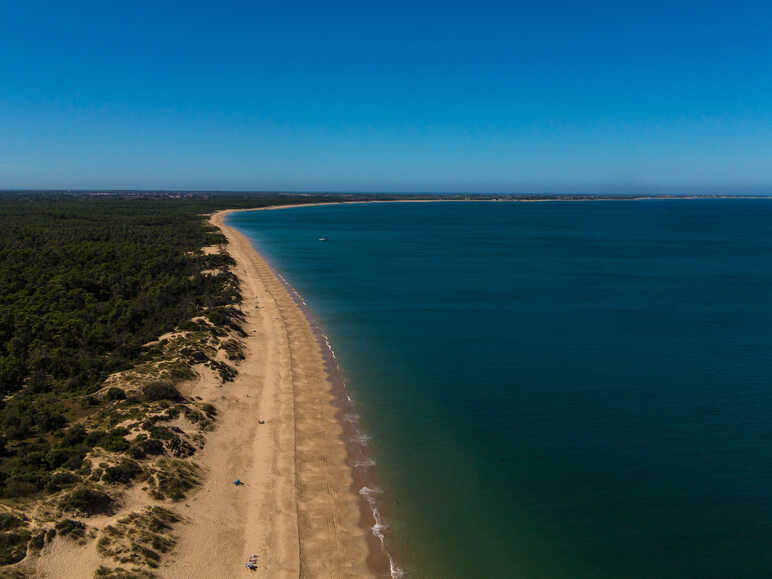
{"type": "Point", "coordinates": [85, 281]}
{"type": "Point", "coordinates": [83, 284]}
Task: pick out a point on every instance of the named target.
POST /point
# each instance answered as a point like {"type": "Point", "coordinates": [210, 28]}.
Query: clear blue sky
{"type": "Point", "coordinates": [369, 96]}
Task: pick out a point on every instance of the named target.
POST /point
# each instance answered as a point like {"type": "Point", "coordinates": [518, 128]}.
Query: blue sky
{"type": "Point", "coordinates": [392, 96]}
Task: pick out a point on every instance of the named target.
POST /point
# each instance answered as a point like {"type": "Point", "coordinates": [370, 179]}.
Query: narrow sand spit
{"type": "Point", "coordinates": [296, 511]}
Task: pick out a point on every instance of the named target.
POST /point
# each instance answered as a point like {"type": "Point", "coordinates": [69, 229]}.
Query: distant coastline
{"type": "Point", "coordinates": [298, 197]}
{"type": "Point", "coordinates": [501, 199]}
{"type": "Point", "coordinates": [506, 199]}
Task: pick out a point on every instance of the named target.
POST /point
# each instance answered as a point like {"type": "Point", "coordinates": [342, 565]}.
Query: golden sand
{"type": "Point", "coordinates": [296, 511]}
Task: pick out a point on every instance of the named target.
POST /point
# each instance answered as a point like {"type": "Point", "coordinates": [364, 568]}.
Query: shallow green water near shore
{"type": "Point", "coordinates": [553, 390]}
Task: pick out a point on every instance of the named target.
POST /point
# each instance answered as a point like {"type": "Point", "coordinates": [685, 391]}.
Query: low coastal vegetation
{"type": "Point", "coordinates": [112, 309]}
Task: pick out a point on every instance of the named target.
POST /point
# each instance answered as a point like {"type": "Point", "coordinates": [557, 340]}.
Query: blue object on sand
{"type": "Point", "coordinates": [237, 482]}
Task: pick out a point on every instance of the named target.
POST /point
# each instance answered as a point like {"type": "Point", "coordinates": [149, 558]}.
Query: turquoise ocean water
{"type": "Point", "coordinates": [553, 390]}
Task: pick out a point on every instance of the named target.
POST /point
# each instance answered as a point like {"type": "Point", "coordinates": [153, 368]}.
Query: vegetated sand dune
{"type": "Point", "coordinates": [296, 510]}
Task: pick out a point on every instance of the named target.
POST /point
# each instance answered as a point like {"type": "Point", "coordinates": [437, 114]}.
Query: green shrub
{"type": "Point", "coordinates": [227, 374]}
{"type": "Point", "coordinates": [74, 436]}
{"type": "Point", "coordinates": [180, 448]}
{"type": "Point", "coordinates": [70, 458]}
{"type": "Point", "coordinates": [61, 480]}
{"type": "Point", "coordinates": [89, 402]}
{"type": "Point", "coordinates": [161, 544]}
{"type": "Point", "coordinates": [48, 421]}
{"type": "Point", "coordinates": [112, 441]}
{"type": "Point", "coordinates": [9, 521]}
{"type": "Point", "coordinates": [19, 488]}
{"type": "Point", "coordinates": [143, 448]}
{"type": "Point", "coordinates": [151, 557]}
{"type": "Point", "coordinates": [134, 398]}
{"type": "Point", "coordinates": [194, 355]}
{"type": "Point", "coordinates": [31, 460]}
{"type": "Point", "coordinates": [175, 479]}
{"type": "Point", "coordinates": [161, 519]}
{"type": "Point", "coordinates": [13, 546]}
{"type": "Point", "coordinates": [161, 390]}
{"type": "Point", "coordinates": [193, 415]}
{"type": "Point", "coordinates": [17, 427]}
{"type": "Point", "coordinates": [88, 502]}
{"type": "Point", "coordinates": [172, 413]}
{"type": "Point", "coordinates": [233, 349]}
{"type": "Point", "coordinates": [37, 541]}
{"type": "Point", "coordinates": [72, 529]}
{"type": "Point", "coordinates": [115, 393]}
{"type": "Point", "coordinates": [180, 371]}
{"type": "Point", "coordinates": [218, 317]}
{"type": "Point", "coordinates": [123, 473]}
{"type": "Point", "coordinates": [162, 432]}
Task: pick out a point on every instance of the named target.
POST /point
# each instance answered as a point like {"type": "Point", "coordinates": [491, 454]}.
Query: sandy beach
{"type": "Point", "coordinates": [296, 510]}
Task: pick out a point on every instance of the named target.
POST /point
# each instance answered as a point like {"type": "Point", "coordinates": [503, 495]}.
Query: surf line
{"type": "Point", "coordinates": [359, 439]}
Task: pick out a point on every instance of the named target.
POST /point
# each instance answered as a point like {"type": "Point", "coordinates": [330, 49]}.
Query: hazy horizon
{"type": "Point", "coordinates": [631, 192]}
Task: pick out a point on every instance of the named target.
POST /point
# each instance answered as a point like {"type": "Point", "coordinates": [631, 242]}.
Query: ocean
{"type": "Point", "coordinates": [552, 390]}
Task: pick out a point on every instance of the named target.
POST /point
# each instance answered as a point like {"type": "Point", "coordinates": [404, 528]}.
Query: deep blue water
{"type": "Point", "coordinates": [554, 390]}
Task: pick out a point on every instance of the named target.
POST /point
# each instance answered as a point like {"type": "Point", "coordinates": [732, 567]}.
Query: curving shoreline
{"type": "Point", "coordinates": [364, 484]}
{"type": "Point", "coordinates": [298, 510]}
{"type": "Point", "coordinates": [306, 510]}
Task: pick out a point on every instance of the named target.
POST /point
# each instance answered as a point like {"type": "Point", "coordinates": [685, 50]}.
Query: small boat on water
{"type": "Point", "coordinates": [322, 239]}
